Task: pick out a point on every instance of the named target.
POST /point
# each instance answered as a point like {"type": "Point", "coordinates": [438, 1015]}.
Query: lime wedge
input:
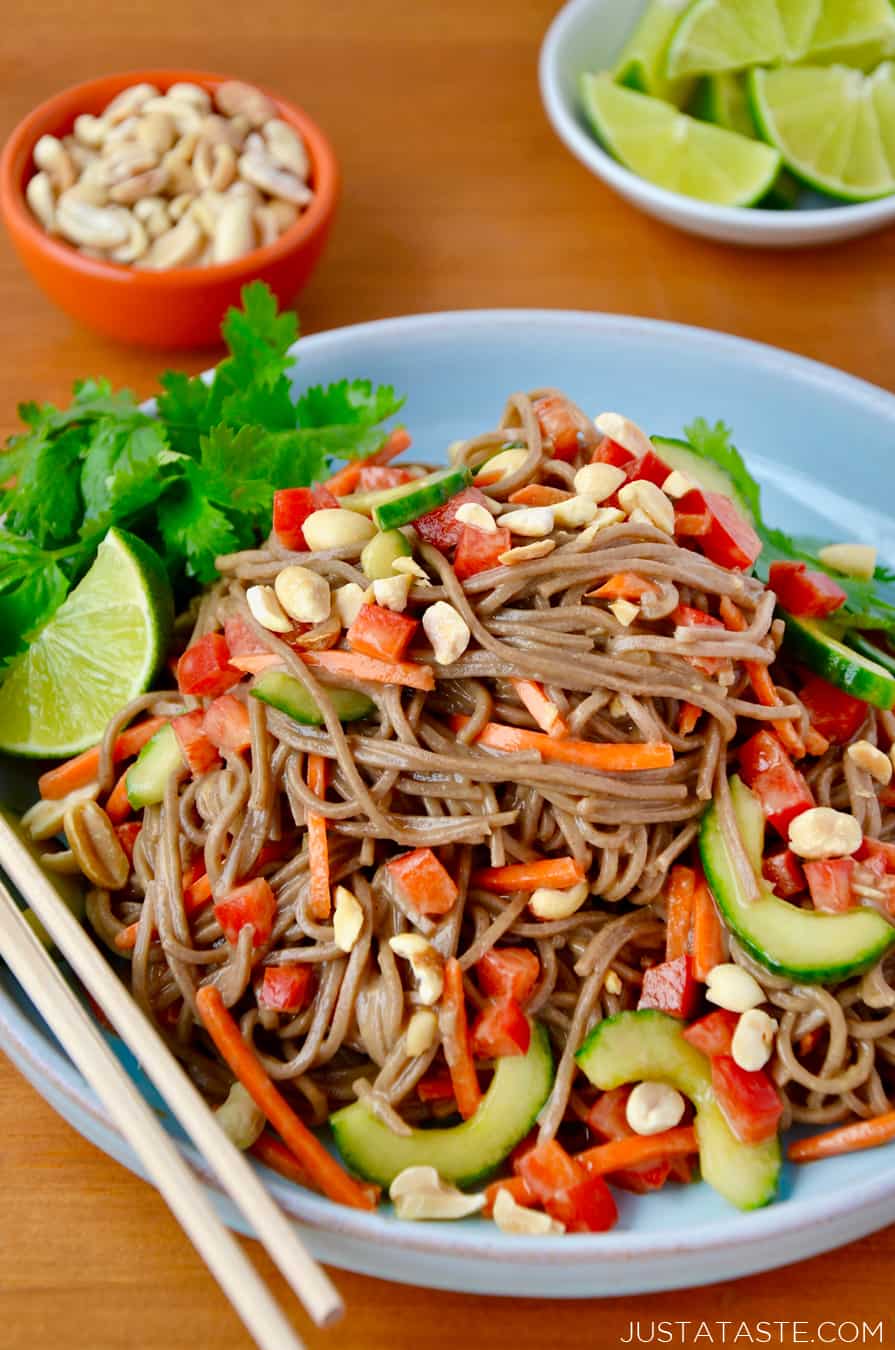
{"type": "Point", "coordinates": [101, 648]}
{"type": "Point", "coordinates": [728, 35]}
{"type": "Point", "coordinates": [833, 126]}
{"type": "Point", "coordinates": [675, 151]}
{"type": "Point", "coordinates": [641, 65]}
{"type": "Point", "coordinates": [716, 35]}
{"type": "Point", "coordinates": [724, 100]}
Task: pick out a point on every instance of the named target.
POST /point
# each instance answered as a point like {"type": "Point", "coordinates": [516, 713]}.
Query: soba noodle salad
{"type": "Point", "coordinates": [526, 823]}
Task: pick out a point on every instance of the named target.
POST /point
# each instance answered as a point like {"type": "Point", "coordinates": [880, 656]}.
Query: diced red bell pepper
{"type": "Point", "coordinates": [199, 752]}
{"type": "Point", "coordinates": [508, 972]}
{"type": "Point", "coordinates": [671, 987]}
{"type": "Point", "coordinates": [559, 425]}
{"type": "Point", "coordinates": [253, 902]}
{"type": "Point", "coordinates": [240, 639]}
{"type": "Point", "coordinates": [423, 881]}
{"type": "Point", "coordinates": [610, 452]}
{"type": "Point", "coordinates": [730, 540]}
{"type": "Point", "coordinates": [479, 550]}
{"type": "Point", "coordinates": [650, 467]}
{"type": "Point", "coordinates": [833, 713]}
{"type": "Point", "coordinates": [436, 1086]}
{"type": "Point", "coordinates": [829, 882]}
{"type": "Point", "coordinates": [608, 1119]}
{"type": "Point", "coordinates": [562, 1187]}
{"type": "Point", "coordinates": [440, 527]}
{"type": "Point", "coordinates": [377, 477]}
{"type": "Point", "coordinates": [713, 1034]}
{"type": "Point", "coordinates": [381, 633]}
{"type": "Point", "coordinates": [808, 595]}
{"type": "Point", "coordinates": [291, 508]}
{"type": "Point", "coordinates": [500, 1029]}
{"type": "Point", "coordinates": [748, 1099]}
{"type": "Point", "coordinates": [780, 787]}
{"type": "Point", "coordinates": [204, 668]}
{"type": "Point", "coordinates": [285, 988]}
{"type": "Point", "coordinates": [127, 836]}
{"type": "Point", "coordinates": [875, 848]}
{"type": "Point", "coordinates": [227, 724]}
{"type": "Point", "coordinates": [688, 615]}
{"type": "Point", "coordinates": [784, 871]}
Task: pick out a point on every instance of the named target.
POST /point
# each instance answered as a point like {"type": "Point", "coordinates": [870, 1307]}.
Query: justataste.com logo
{"type": "Point", "coordinates": [753, 1333]}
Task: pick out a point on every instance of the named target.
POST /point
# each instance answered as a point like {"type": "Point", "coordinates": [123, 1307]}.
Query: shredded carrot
{"type": "Point", "coordinates": [409, 673]}
{"type": "Point", "coordinates": [126, 938]}
{"type": "Point", "coordinates": [196, 894]}
{"type": "Point", "coordinates": [455, 1040]}
{"type": "Point", "coordinates": [318, 843]}
{"type": "Point", "coordinates": [760, 679]}
{"type": "Point", "coordinates": [538, 494]}
{"type": "Point", "coordinates": [846, 1139]}
{"type": "Point", "coordinates": [624, 586]}
{"type": "Point", "coordinates": [708, 934]}
{"type": "Point", "coordinates": [638, 1148]}
{"type": "Point", "coordinates": [118, 806]}
{"type": "Point", "coordinates": [78, 772]}
{"type": "Point", "coordinates": [398, 441]}
{"type": "Point", "coordinates": [542, 708]}
{"type": "Point", "coordinates": [322, 1168]}
{"type": "Point", "coordinates": [687, 718]}
{"type": "Point", "coordinates": [607, 757]}
{"type": "Point", "coordinates": [560, 873]}
{"type": "Point", "coordinates": [678, 911]}
{"type": "Point", "coordinates": [805, 1044]}
{"type": "Point", "coordinates": [346, 480]}
{"type": "Point", "coordinates": [517, 1187]}
{"type": "Point", "coordinates": [273, 1153]}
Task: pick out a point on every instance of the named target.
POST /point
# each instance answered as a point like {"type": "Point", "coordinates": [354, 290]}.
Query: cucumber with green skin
{"type": "Point", "coordinates": [869, 649]}
{"type": "Point", "coordinates": [803, 944]}
{"type": "Point", "coordinates": [401, 505]}
{"type": "Point", "coordinates": [703, 472]}
{"type": "Point", "coordinates": [381, 551]}
{"type": "Point", "coordinates": [147, 776]}
{"type": "Point", "coordinates": [815, 645]}
{"type": "Point", "coordinates": [634, 1047]}
{"type": "Point", "coordinates": [464, 1154]}
{"type": "Point", "coordinates": [288, 695]}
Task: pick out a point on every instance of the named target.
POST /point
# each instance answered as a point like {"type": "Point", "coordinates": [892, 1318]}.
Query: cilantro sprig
{"type": "Point", "coordinates": [869, 604]}
{"type": "Point", "coordinates": [194, 480]}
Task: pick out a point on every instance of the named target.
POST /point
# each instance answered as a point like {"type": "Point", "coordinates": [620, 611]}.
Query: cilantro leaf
{"type": "Point", "coordinates": [713, 442]}
{"type": "Point", "coordinates": [184, 407]}
{"type": "Point", "coordinates": [123, 472]}
{"type": "Point", "coordinates": [45, 504]}
{"type": "Point", "coordinates": [194, 531]}
{"type": "Point", "coordinates": [235, 470]}
{"type": "Point", "coordinates": [26, 607]}
{"type": "Point", "coordinates": [347, 402]}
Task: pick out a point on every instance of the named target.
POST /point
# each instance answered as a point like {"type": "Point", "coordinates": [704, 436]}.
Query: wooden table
{"type": "Point", "coordinates": [457, 195]}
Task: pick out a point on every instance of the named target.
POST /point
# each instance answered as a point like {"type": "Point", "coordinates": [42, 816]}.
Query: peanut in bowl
{"type": "Point", "coordinates": [161, 268]}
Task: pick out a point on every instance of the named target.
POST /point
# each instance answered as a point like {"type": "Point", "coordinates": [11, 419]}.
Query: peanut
{"type": "Point", "coordinates": [92, 839]}
{"type": "Point", "coordinates": [234, 98]}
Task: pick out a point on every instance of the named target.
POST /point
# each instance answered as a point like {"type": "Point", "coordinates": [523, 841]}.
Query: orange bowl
{"type": "Point", "coordinates": [182, 307]}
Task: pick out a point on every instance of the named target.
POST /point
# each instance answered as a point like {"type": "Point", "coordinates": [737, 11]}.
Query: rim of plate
{"type": "Point", "coordinates": [747, 1230]}
{"type": "Point", "coordinates": [815, 221]}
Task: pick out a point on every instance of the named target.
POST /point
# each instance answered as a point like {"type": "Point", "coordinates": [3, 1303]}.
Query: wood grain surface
{"type": "Point", "coordinates": [457, 195]}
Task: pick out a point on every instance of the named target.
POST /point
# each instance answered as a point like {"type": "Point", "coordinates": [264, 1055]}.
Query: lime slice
{"type": "Point", "coordinates": [675, 151]}
{"type": "Point", "coordinates": [641, 65]}
{"type": "Point", "coordinates": [724, 100]}
{"type": "Point", "coordinates": [833, 126]}
{"type": "Point", "coordinates": [716, 35]}
{"type": "Point", "coordinates": [101, 648]}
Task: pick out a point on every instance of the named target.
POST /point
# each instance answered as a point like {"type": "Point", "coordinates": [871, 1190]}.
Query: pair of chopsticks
{"type": "Point", "coordinates": [43, 983]}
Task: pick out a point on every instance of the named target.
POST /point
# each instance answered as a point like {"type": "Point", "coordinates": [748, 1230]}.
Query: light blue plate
{"type": "Point", "coordinates": [822, 444]}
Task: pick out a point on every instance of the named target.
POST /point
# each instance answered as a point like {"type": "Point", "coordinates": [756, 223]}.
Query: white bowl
{"type": "Point", "coordinates": [587, 35]}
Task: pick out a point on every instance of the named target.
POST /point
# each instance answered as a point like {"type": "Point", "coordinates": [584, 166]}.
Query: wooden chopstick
{"type": "Point", "coordinates": [310, 1283]}
{"type": "Point", "coordinates": [39, 977]}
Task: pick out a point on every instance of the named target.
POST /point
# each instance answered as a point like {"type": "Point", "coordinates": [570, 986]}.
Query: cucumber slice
{"type": "Point", "coordinates": [378, 555]}
{"type": "Point", "coordinates": [705, 473]}
{"type": "Point", "coordinates": [288, 695]}
{"type": "Point", "coordinates": [415, 499]}
{"type": "Point", "coordinates": [146, 778]}
{"type": "Point", "coordinates": [464, 1154]}
{"type": "Point", "coordinates": [803, 944]}
{"type": "Point", "coordinates": [870, 650]}
{"type": "Point", "coordinates": [814, 644]}
{"type": "Point", "coordinates": [635, 1046]}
